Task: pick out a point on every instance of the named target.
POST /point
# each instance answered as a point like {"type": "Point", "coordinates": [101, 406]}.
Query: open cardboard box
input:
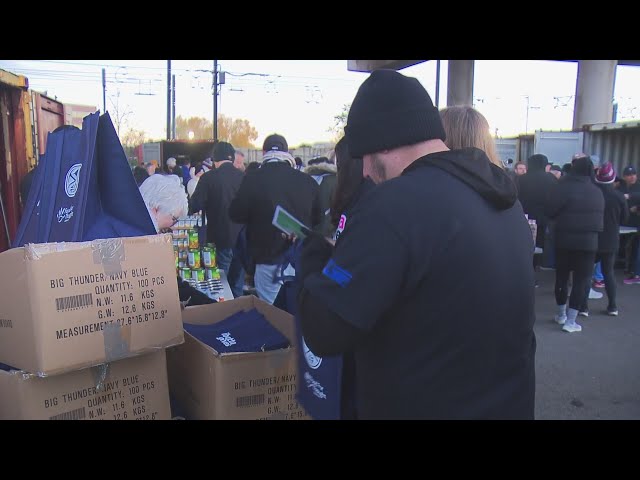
{"type": "Point", "coordinates": [243, 386]}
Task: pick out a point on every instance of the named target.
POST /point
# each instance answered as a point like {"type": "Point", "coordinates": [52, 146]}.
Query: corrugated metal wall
{"type": "Point", "coordinates": [525, 147]}
{"type": "Point", "coordinates": [620, 146]}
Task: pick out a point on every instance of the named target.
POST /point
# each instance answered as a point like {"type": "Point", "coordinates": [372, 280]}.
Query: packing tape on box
{"type": "Point", "coordinates": [116, 341]}
{"type": "Point", "coordinates": [100, 373]}
{"type": "Point", "coordinates": [109, 253]}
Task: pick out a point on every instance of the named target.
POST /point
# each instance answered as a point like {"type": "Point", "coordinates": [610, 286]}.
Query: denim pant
{"type": "Point", "coordinates": [597, 272]}
{"type": "Point", "coordinates": [266, 285]}
{"type": "Point", "coordinates": [232, 267]}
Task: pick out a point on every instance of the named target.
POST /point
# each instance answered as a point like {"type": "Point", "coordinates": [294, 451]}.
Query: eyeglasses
{"type": "Point", "coordinates": [173, 219]}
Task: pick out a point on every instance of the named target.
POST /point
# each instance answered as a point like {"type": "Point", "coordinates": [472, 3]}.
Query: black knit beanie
{"type": "Point", "coordinates": [391, 110]}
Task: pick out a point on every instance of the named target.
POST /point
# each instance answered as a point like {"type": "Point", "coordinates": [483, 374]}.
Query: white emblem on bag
{"type": "Point", "coordinates": [226, 339]}
{"type": "Point", "coordinates": [312, 360]}
{"type": "Point", "coordinates": [72, 180]}
{"type": "Point", "coordinates": [65, 214]}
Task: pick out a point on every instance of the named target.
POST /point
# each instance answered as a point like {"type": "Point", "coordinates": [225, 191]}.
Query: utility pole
{"type": "Point", "coordinates": [173, 109]}
{"type": "Point", "coordinates": [104, 91]}
{"type": "Point", "coordinates": [437, 83]}
{"type": "Point", "coordinates": [215, 100]}
{"type": "Point", "coordinates": [168, 99]}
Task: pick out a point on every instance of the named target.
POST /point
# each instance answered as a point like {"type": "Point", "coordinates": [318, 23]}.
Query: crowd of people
{"type": "Point", "coordinates": [418, 267]}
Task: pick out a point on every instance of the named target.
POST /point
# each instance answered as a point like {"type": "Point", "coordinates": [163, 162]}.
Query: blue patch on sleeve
{"type": "Point", "coordinates": [336, 273]}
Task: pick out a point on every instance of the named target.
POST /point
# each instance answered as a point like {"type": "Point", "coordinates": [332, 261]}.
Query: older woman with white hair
{"type": "Point", "coordinates": [165, 199]}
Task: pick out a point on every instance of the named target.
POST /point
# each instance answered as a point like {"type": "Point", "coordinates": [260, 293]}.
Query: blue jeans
{"type": "Point", "coordinates": [232, 267]}
{"type": "Point", "coordinates": [267, 287]}
{"type": "Point", "coordinates": [597, 273]}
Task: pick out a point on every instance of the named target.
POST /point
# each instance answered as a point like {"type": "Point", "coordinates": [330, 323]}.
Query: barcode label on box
{"type": "Point", "coordinates": [77, 414]}
{"type": "Point", "coordinates": [75, 301]}
{"type": "Point", "coordinates": [250, 401]}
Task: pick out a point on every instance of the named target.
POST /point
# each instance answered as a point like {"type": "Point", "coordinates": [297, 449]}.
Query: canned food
{"type": "Point", "coordinates": [193, 239]}
{"type": "Point", "coordinates": [175, 244]}
{"type": "Point", "coordinates": [184, 242]}
{"type": "Point", "coordinates": [182, 264]}
{"type": "Point", "coordinates": [185, 273]}
{"type": "Point", "coordinates": [194, 258]}
{"type": "Point", "coordinates": [212, 273]}
{"type": "Point", "coordinates": [197, 274]}
{"type": "Point", "coordinates": [208, 257]}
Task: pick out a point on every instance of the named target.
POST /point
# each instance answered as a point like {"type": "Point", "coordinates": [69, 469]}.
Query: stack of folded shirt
{"type": "Point", "coordinates": [241, 332]}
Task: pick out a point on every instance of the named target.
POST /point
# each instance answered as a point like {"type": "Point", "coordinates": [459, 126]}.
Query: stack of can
{"type": "Point", "coordinates": [193, 262]}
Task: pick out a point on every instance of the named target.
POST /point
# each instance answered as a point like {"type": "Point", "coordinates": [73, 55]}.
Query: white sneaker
{"type": "Point", "coordinates": [584, 313]}
{"type": "Point", "coordinates": [560, 319]}
{"type": "Point", "coordinates": [613, 313]}
{"type": "Point", "coordinates": [593, 295]}
{"type": "Point", "coordinates": [571, 327]}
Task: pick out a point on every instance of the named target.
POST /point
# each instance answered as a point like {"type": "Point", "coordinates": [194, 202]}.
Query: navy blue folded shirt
{"type": "Point", "coordinates": [241, 332]}
{"type": "Point", "coordinates": [6, 368]}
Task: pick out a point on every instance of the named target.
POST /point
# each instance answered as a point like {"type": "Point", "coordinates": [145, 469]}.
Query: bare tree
{"type": "Point", "coordinates": [119, 113]}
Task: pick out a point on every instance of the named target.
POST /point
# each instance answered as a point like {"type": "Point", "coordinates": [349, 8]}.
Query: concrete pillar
{"type": "Point", "coordinates": [594, 92]}
{"type": "Point", "coordinates": [371, 65]}
{"type": "Point", "coordinates": [460, 83]}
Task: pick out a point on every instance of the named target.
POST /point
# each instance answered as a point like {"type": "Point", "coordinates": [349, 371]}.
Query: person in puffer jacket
{"type": "Point", "coordinates": [577, 206]}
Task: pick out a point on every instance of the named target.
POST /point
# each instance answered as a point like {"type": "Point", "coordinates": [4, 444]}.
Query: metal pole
{"type": "Point", "coordinates": [104, 91]}
{"type": "Point", "coordinates": [173, 109]}
{"type": "Point", "coordinates": [526, 125]}
{"type": "Point", "coordinates": [437, 83]}
{"type": "Point", "coordinates": [168, 99]}
{"type": "Point", "coordinates": [215, 100]}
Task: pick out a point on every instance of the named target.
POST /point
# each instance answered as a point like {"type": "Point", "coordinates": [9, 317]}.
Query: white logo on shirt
{"type": "Point", "coordinates": [312, 360]}
{"type": "Point", "coordinates": [316, 388]}
{"type": "Point", "coordinates": [226, 339]}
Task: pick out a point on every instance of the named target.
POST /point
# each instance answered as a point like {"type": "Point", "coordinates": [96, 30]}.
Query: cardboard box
{"type": "Point", "coordinates": [238, 386]}
{"type": "Point", "coordinates": [67, 306]}
{"type": "Point", "coordinates": [130, 389]}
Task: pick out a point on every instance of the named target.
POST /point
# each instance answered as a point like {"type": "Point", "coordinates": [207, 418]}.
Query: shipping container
{"type": "Point", "coordinates": [17, 152]}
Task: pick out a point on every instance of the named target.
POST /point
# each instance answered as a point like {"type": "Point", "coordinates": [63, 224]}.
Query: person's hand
{"type": "Point", "coordinates": [316, 252]}
{"type": "Point", "coordinates": [626, 196]}
{"type": "Point", "coordinates": [289, 238]}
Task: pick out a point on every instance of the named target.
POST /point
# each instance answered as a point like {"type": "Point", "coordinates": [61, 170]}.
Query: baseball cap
{"type": "Point", "coordinates": [276, 143]}
{"type": "Point", "coordinates": [629, 170]}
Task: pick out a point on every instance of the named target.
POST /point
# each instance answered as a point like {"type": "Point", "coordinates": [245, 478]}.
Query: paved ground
{"type": "Point", "coordinates": [594, 374]}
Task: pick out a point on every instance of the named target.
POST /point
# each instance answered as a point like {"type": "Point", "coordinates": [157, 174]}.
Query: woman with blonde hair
{"type": "Point", "coordinates": [467, 127]}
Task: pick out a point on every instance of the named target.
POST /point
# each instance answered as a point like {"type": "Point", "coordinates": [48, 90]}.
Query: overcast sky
{"type": "Point", "coordinates": [300, 98]}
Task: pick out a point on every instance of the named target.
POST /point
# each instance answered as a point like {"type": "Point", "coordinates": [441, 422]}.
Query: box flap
{"type": "Point", "coordinates": [17, 346]}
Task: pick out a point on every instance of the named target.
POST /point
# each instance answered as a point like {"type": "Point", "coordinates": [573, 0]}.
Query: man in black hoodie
{"type": "Point", "coordinates": [533, 191]}
{"type": "Point", "coordinates": [436, 306]}
{"type": "Point", "coordinates": [214, 193]}
{"type": "Point", "coordinates": [276, 182]}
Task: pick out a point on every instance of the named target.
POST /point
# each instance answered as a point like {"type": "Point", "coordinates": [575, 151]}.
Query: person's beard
{"type": "Point", "coordinates": [378, 169]}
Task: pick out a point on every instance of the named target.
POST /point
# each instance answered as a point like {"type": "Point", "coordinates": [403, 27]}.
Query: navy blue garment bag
{"type": "Point", "coordinates": [84, 189]}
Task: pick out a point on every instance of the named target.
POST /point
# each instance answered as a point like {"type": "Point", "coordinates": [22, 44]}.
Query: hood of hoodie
{"type": "Point", "coordinates": [537, 163]}
{"type": "Point", "coordinates": [473, 167]}
{"type": "Point", "coordinates": [320, 168]}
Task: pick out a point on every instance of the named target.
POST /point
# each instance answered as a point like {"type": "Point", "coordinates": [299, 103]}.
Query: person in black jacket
{"type": "Point", "coordinates": [577, 206]}
{"type": "Point", "coordinates": [615, 213]}
{"type": "Point", "coordinates": [214, 193]}
{"type": "Point", "coordinates": [428, 342]}
{"type": "Point", "coordinates": [276, 182]}
{"type": "Point", "coordinates": [533, 191]}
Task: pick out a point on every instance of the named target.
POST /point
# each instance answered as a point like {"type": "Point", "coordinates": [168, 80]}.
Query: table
{"type": "Point", "coordinates": [628, 230]}
{"type": "Point", "coordinates": [538, 251]}
{"type": "Point", "coordinates": [215, 295]}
